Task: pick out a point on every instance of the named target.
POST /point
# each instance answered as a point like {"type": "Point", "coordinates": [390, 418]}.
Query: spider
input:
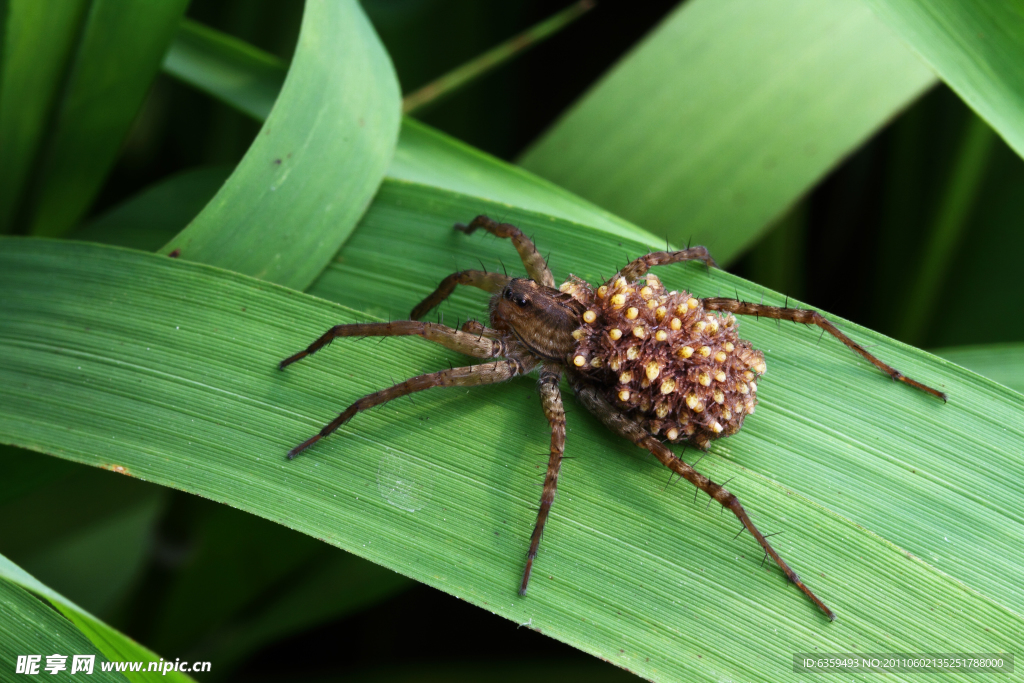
{"type": "Point", "coordinates": [647, 362]}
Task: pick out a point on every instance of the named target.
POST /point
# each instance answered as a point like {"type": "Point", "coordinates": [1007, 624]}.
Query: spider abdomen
{"type": "Point", "coordinates": [660, 354]}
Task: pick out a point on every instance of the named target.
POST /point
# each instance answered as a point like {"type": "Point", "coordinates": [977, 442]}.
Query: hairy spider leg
{"type": "Point", "coordinates": [808, 317]}
{"type": "Point", "coordinates": [462, 341]}
{"type": "Point", "coordinates": [640, 266]}
{"type": "Point", "coordinates": [625, 426]}
{"type": "Point", "coordinates": [551, 401]}
{"type": "Point", "coordinates": [477, 328]}
{"type": "Point", "coordinates": [536, 267]}
{"type": "Point", "coordinates": [481, 279]}
{"type": "Point", "coordinates": [467, 376]}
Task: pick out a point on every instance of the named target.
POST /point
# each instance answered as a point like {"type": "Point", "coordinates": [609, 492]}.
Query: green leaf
{"type": "Point", "coordinates": [30, 627]}
{"type": "Point", "coordinates": [429, 157]}
{"type": "Point", "coordinates": [240, 75]}
{"type": "Point", "coordinates": [232, 70]}
{"type": "Point", "coordinates": [315, 164]}
{"type": "Point", "coordinates": [975, 47]}
{"type": "Point", "coordinates": [1003, 363]}
{"type": "Point", "coordinates": [117, 56]}
{"type": "Point", "coordinates": [168, 369]}
{"type": "Point", "coordinates": [729, 112]}
{"type": "Point", "coordinates": [37, 40]}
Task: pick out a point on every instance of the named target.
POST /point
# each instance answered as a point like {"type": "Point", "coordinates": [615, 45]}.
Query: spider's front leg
{"type": "Point", "coordinates": [551, 401]}
{"type": "Point", "coordinates": [468, 376]}
{"type": "Point", "coordinates": [481, 279]}
{"type": "Point", "coordinates": [536, 267]}
{"type": "Point", "coordinates": [468, 343]}
{"type": "Point", "coordinates": [623, 425]}
{"type": "Point", "coordinates": [808, 317]}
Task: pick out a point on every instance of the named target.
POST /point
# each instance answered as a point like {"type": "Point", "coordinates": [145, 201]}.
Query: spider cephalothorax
{"type": "Point", "coordinates": [648, 363]}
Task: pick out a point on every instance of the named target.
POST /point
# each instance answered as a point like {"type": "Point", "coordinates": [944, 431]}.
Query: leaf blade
{"type": "Point", "coordinates": [290, 193]}
{"type": "Point", "coordinates": [186, 381]}
{"type": "Point", "coordinates": [975, 47]}
{"type": "Point", "coordinates": [115, 61]}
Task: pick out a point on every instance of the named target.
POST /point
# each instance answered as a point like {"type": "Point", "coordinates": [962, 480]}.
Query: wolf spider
{"type": "Point", "coordinates": [645, 361]}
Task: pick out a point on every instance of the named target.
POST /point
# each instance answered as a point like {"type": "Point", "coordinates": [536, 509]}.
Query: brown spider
{"type": "Point", "coordinates": [645, 361]}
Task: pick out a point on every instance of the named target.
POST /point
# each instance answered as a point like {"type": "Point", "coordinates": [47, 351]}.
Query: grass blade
{"type": "Point", "coordinates": [975, 47]}
{"type": "Point", "coordinates": [117, 57]}
{"type": "Point", "coordinates": [31, 627]}
{"type": "Point", "coordinates": [37, 42]}
{"type": "Point", "coordinates": [232, 70]}
{"type": "Point", "coordinates": [315, 164]}
{"type": "Point", "coordinates": [168, 369]}
{"type": "Point", "coordinates": [451, 82]}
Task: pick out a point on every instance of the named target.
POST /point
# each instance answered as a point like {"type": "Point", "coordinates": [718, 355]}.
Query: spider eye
{"type": "Point", "coordinates": [515, 298]}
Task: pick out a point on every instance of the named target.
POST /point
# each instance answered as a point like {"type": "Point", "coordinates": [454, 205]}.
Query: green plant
{"type": "Point", "coordinates": [164, 368]}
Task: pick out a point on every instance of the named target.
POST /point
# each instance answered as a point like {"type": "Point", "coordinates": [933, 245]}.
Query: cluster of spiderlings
{"type": "Point", "coordinates": [660, 354]}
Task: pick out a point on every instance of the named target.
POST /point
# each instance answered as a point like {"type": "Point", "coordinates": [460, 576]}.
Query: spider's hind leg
{"type": "Point", "coordinates": [468, 376]}
{"type": "Point", "coordinates": [551, 401]}
{"type": "Point", "coordinates": [808, 317]}
{"type": "Point", "coordinates": [626, 426]}
{"type": "Point", "coordinates": [640, 266]}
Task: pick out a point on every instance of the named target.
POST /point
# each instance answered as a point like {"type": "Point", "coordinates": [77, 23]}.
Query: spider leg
{"type": "Point", "coordinates": [468, 376]}
{"type": "Point", "coordinates": [640, 266]}
{"type": "Point", "coordinates": [551, 401]}
{"type": "Point", "coordinates": [625, 426]}
{"type": "Point", "coordinates": [456, 340]}
{"type": "Point", "coordinates": [477, 328]}
{"type": "Point", "coordinates": [807, 317]}
{"type": "Point", "coordinates": [489, 282]}
{"type": "Point", "coordinates": [536, 267]}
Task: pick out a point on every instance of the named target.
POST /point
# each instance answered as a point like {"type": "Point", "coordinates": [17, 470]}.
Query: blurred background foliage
{"type": "Point", "coordinates": [915, 233]}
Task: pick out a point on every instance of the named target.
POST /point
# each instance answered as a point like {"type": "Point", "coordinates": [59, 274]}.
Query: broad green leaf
{"type": "Point", "coordinates": [30, 627]}
{"type": "Point", "coordinates": [37, 39]}
{"type": "Point", "coordinates": [156, 214]}
{"type": "Point", "coordinates": [315, 164]}
{"type": "Point", "coordinates": [1003, 363]}
{"type": "Point", "coordinates": [117, 56]}
{"type": "Point", "coordinates": [729, 112]}
{"type": "Point", "coordinates": [168, 370]}
{"type": "Point", "coordinates": [232, 70]}
{"type": "Point", "coordinates": [976, 47]}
